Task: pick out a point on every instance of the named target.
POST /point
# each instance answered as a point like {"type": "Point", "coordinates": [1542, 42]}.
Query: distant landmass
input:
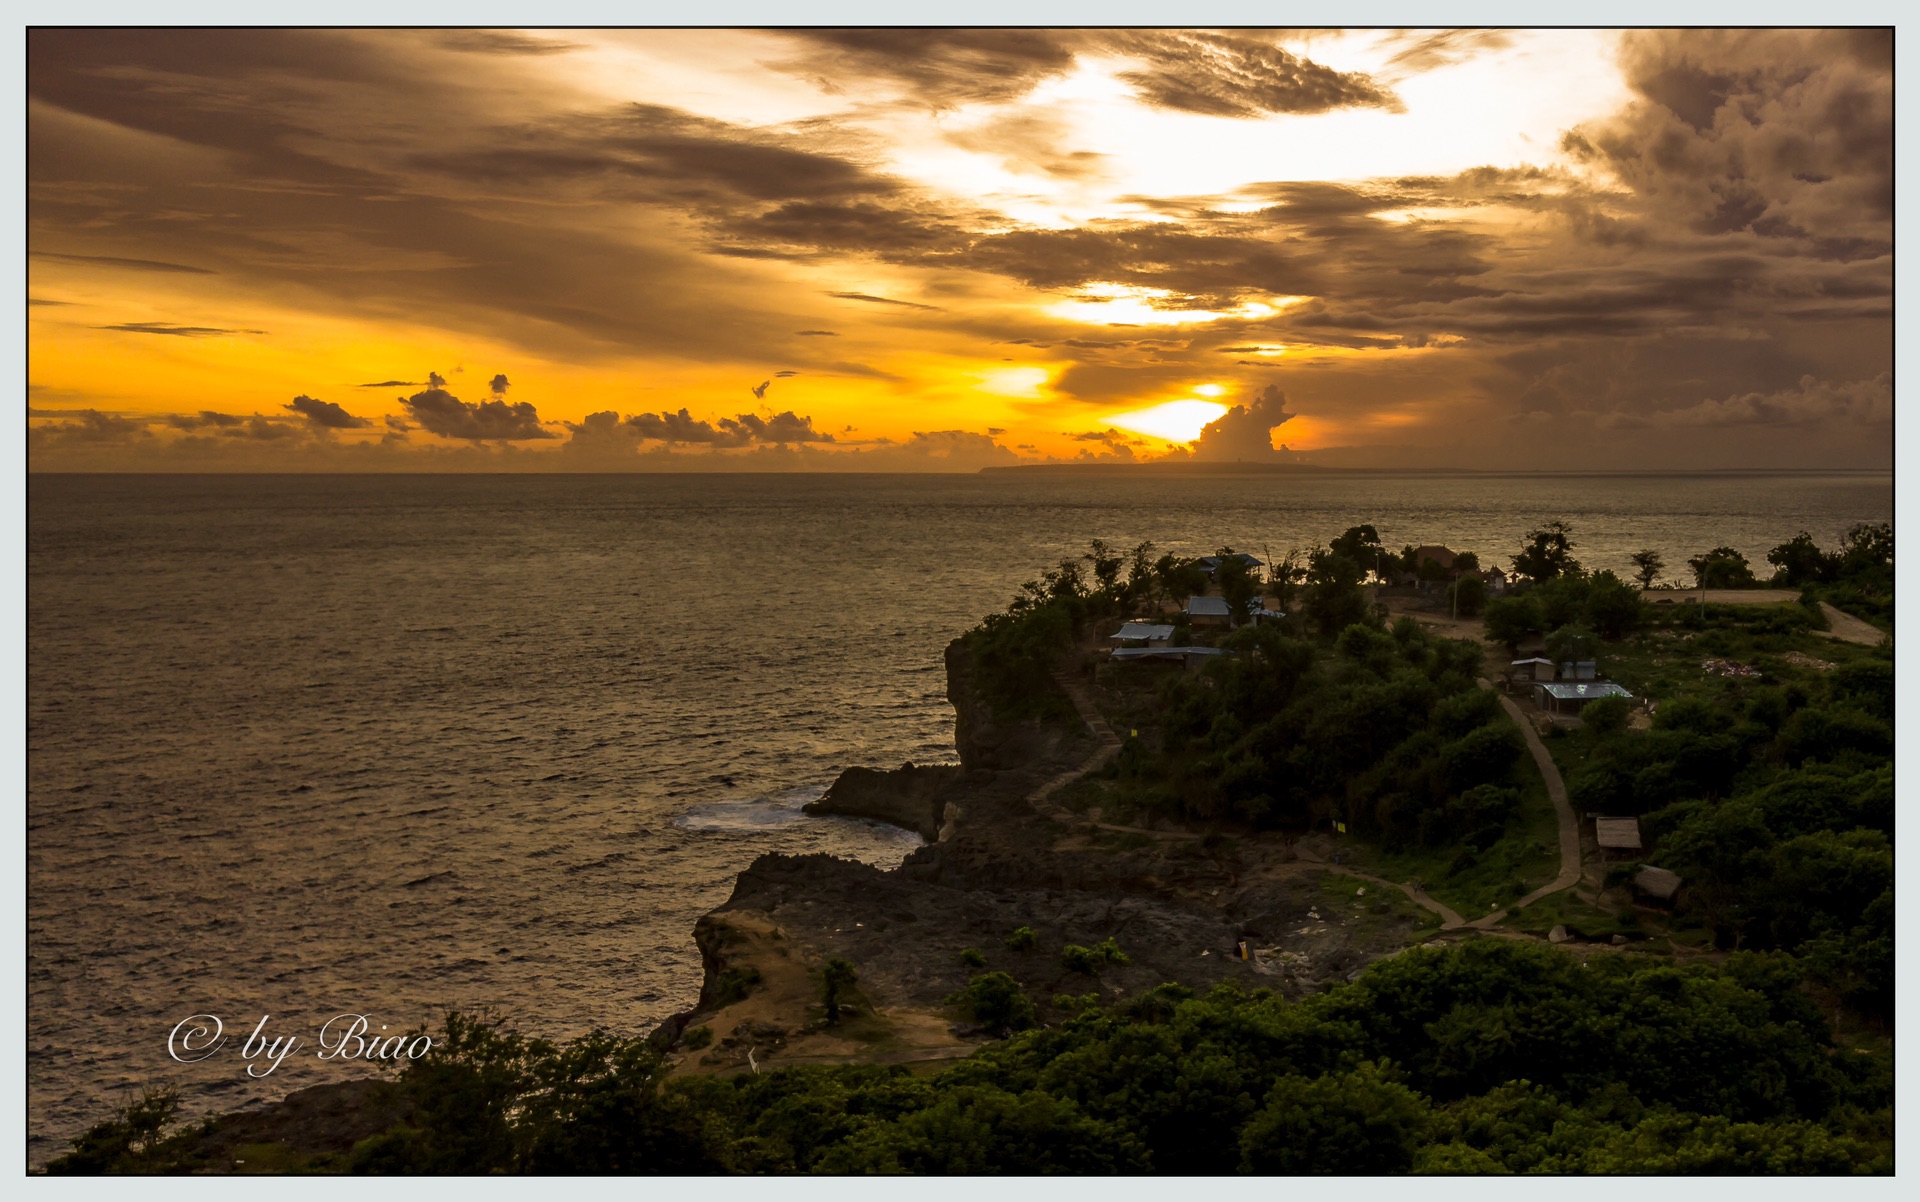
{"type": "Point", "coordinates": [1176, 467]}
{"type": "Point", "coordinates": [1162, 467]}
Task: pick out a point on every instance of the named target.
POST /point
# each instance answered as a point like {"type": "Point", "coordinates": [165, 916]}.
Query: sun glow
{"type": "Point", "coordinates": [1174, 421]}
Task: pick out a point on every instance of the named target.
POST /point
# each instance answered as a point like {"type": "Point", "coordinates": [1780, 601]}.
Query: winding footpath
{"type": "Point", "coordinates": [1563, 810]}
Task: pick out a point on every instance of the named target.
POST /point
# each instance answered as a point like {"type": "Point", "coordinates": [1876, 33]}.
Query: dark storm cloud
{"type": "Point", "coordinates": [940, 68]}
{"type": "Point", "coordinates": [815, 228]}
{"type": "Point", "coordinates": [326, 414]}
{"type": "Point", "coordinates": [112, 261]}
{"type": "Point", "coordinates": [881, 300]}
{"type": "Point", "coordinates": [440, 412]}
{"type": "Point", "coordinates": [499, 384]}
{"type": "Point", "coordinates": [664, 153]}
{"type": "Point", "coordinates": [1813, 402]}
{"type": "Point", "coordinates": [1781, 133]}
{"type": "Point", "coordinates": [747, 429]}
{"type": "Point", "coordinates": [88, 427]}
{"type": "Point", "coordinates": [1215, 73]}
{"type": "Point", "coordinates": [205, 418]}
{"type": "Point", "coordinates": [1245, 431]}
{"type": "Point", "coordinates": [272, 178]}
{"type": "Point", "coordinates": [168, 328]}
{"type": "Point", "coordinates": [1233, 75]}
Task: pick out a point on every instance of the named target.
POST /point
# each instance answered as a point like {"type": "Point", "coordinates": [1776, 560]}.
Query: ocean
{"type": "Point", "coordinates": [303, 746]}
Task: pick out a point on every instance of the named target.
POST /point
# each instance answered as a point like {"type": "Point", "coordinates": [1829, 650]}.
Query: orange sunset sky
{"type": "Point", "coordinates": [908, 249]}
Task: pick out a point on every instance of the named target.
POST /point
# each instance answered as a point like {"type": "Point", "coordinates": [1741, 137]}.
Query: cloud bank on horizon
{"type": "Point", "coordinates": [949, 249]}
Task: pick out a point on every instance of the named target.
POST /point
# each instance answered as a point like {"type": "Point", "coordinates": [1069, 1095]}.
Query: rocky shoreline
{"type": "Point", "coordinates": [1178, 902]}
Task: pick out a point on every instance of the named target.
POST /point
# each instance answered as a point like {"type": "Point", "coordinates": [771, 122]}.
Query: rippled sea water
{"type": "Point", "coordinates": [306, 745]}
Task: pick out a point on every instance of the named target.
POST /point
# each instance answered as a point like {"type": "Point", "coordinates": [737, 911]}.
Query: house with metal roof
{"type": "Point", "coordinates": [1536, 668]}
{"type": "Point", "coordinates": [1142, 632]}
{"type": "Point", "coordinates": [1211, 563]}
{"type": "Point", "coordinates": [1210, 611]}
{"type": "Point", "coordinates": [1572, 696]}
{"type": "Point", "coordinates": [1192, 658]}
{"type": "Point", "coordinates": [1622, 834]}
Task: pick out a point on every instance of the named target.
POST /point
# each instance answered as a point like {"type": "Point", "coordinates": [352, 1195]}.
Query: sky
{"type": "Point", "coordinates": [920, 249]}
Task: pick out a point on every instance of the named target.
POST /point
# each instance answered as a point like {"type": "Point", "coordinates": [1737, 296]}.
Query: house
{"type": "Point", "coordinates": [1193, 658]}
{"type": "Point", "coordinates": [1570, 697]}
{"type": "Point", "coordinates": [1146, 632]}
{"type": "Point", "coordinates": [1497, 582]}
{"type": "Point", "coordinates": [1441, 556]}
{"type": "Point", "coordinates": [1535, 668]}
{"type": "Point", "coordinates": [1616, 834]}
{"type": "Point", "coordinates": [1584, 669]}
{"type": "Point", "coordinates": [1208, 611]}
{"type": "Point", "coordinates": [1659, 884]}
{"type": "Point", "coordinates": [1211, 563]}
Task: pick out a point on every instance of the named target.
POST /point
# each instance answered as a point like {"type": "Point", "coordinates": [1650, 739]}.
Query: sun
{"type": "Point", "coordinates": [1174, 421]}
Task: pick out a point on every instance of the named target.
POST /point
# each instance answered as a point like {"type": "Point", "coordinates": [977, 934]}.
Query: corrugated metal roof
{"type": "Point", "coordinates": [1207, 607]}
{"type": "Point", "coordinates": [1150, 631]}
{"type": "Point", "coordinates": [1567, 691]}
{"type": "Point", "coordinates": [1164, 652]}
{"type": "Point", "coordinates": [1617, 832]}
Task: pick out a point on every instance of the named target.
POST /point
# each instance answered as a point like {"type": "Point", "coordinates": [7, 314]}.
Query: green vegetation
{"type": "Point", "coordinates": [1770, 790]}
{"type": "Point", "coordinates": [972, 957]}
{"type": "Point", "coordinates": [1022, 939]}
{"type": "Point", "coordinates": [994, 1000]}
{"type": "Point", "coordinates": [1722, 567]}
{"type": "Point", "coordinates": [1091, 960]}
{"type": "Point", "coordinates": [1485, 1058]}
{"type": "Point", "coordinates": [734, 984]}
{"type": "Point", "coordinates": [1384, 730]}
{"type": "Point", "coordinates": [1856, 577]}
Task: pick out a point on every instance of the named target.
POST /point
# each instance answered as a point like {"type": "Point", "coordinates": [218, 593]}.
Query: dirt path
{"type": "Point", "coordinates": [1849, 629]}
{"type": "Point", "coordinates": [1569, 875]}
{"type": "Point", "coordinates": [1109, 745]}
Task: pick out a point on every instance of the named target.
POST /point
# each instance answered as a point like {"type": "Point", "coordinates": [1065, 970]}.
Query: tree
{"type": "Point", "coordinates": [1106, 564]}
{"type": "Point", "coordinates": [1511, 620]}
{"type": "Point", "coordinates": [1141, 583]}
{"type": "Point", "coordinates": [1866, 548]}
{"type": "Point", "coordinates": [1613, 607]}
{"type": "Point", "coordinates": [1333, 599]}
{"type": "Point", "coordinates": [1237, 583]}
{"type": "Point", "coordinates": [1722, 567]}
{"type": "Point", "coordinates": [1547, 553]}
{"type": "Point", "coordinates": [1570, 643]}
{"type": "Point", "coordinates": [1355, 1123]}
{"type": "Point", "coordinates": [1361, 544]}
{"type": "Point", "coordinates": [994, 999]}
{"type": "Point", "coordinates": [1285, 577]}
{"type": "Point", "coordinates": [1468, 596]}
{"type": "Point", "coordinates": [1647, 566]}
{"type": "Point", "coordinates": [1800, 561]}
{"type": "Point", "coordinates": [838, 976]}
{"type": "Point", "coordinates": [1466, 561]}
{"type": "Point", "coordinates": [1179, 577]}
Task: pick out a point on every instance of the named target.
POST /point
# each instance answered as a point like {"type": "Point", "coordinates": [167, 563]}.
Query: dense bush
{"type": "Point", "coordinates": [1491, 1056]}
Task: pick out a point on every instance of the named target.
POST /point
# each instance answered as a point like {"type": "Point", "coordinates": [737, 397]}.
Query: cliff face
{"type": "Point", "coordinates": [911, 796]}
{"type": "Point", "coordinates": [983, 741]}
